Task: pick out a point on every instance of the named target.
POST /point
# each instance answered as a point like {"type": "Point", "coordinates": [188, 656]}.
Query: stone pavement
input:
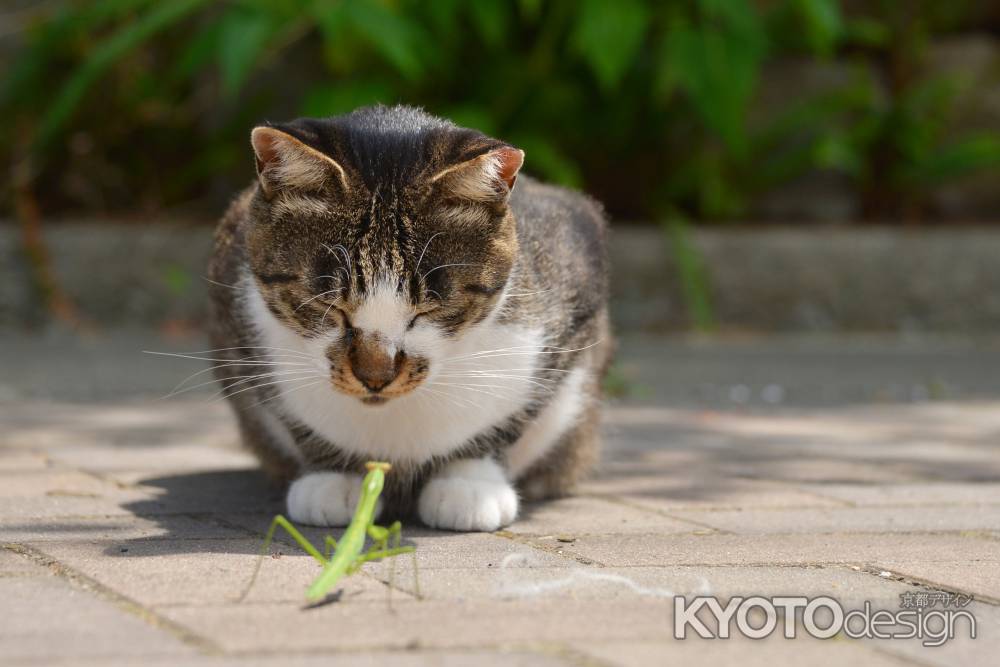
{"type": "Point", "coordinates": [130, 525]}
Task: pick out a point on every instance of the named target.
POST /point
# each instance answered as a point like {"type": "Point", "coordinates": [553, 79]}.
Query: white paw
{"type": "Point", "coordinates": [325, 498]}
{"type": "Point", "coordinates": [469, 495]}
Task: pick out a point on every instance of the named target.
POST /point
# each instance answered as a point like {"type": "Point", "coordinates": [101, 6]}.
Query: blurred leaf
{"type": "Point", "coordinates": [242, 38]}
{"type": "Point", "coordinates": [327, 100]}
{"type": "Point", "coordinates": [867, 32]}
{"type": "Point", "coordinates": [160, 17]}
{"type": "Point", "coordinates": [530, 9]}
{"type": "Point", "coordinates": [393, 37]}
{"type": "Point", "coordinates": [177, 279]}
{"type": "Point", "coordinates": [974, 153]}
{"type": "Point", "coordinates": [544, 159]}
{"type": "Point", "coordinates": [30, 64]}
{"type": "Point", "coordinates": [491, 18]}
{"type": "Point", "coordinates": [472, 115]}
{"type": "Point", "coordinates": [823, 24]}
{"type": "Point", "coordinates": [608, 34]}
{"type": "Point", "coordinates": [836, 151]}
{"type": "Point", "coordinates": [197, 53]}
{"type": "Point", "coordinates": [444, 15]}
{"type": "Point", "coordinates": [718, 73]}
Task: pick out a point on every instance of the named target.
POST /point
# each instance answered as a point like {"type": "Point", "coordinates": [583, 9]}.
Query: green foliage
{"type": "Point", "coordinates": [693, 276]}
{"type": "Point", "coordinates": [652, 106]}
{"type": "Point", "coordinates": [607, 35]}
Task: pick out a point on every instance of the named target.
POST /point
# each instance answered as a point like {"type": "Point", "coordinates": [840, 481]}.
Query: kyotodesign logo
{"type": "Point", "coordinates": [824, 617]}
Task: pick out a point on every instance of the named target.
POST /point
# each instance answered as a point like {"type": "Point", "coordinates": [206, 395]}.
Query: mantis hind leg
{"type": "Point", "coordinates": [299, 538]}
{"type": "Point", "coordinates": [382, 536]}
{"type": "Point", "coordinates": [331, 546]}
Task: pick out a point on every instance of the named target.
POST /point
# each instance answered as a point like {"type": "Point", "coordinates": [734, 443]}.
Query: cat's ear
{"type": "Point", "coordinates": [285, 162]}
{"type": "Point", "coordinates": [487, 178]}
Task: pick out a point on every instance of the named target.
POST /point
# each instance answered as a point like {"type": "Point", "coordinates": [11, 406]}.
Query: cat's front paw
{"type": "Point", "coordinates": [325, 498]}
{"type": "Point", "coordinates": [469, 495]}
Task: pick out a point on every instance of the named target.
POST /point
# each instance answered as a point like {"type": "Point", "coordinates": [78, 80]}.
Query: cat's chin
{"type": "Point", "coordinates": [374, 400]}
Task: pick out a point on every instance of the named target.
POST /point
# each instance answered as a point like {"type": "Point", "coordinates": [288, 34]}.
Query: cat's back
{"type": "Point", "coordinates": [563, 242]}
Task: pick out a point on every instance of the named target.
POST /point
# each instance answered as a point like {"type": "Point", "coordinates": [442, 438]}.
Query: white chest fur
{"type": "Point", "coordinates": [475, 382]}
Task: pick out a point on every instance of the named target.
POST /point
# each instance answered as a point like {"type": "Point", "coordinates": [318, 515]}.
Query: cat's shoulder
{"type": "Point", "coordinates": [537, 199]}
{"type": "Point", "coordinates": [559, 219]}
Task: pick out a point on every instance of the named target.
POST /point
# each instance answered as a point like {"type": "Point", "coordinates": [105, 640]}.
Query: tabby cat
{"type": "Point", "coordinates": [391, 289]}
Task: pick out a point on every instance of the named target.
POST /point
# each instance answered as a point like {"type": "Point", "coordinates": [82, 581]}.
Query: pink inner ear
{"type": "Point", "coordinates": [264, 141]}
{"type": "Point", "coordinates": [510, 161]}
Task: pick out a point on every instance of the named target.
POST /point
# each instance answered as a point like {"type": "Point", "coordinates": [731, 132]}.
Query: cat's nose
{"type": "Point", "coordinates": [373, 363]}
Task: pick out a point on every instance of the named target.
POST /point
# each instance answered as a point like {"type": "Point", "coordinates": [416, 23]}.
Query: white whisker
{"type": "Point", "coordinates": [237, 288]}
{"type": "Point", "coordinates": [240, 379]}
{"type": "Point", "coordinates": [286, 392]}
{"type": "Point", "coordinates": [468, 403]}
{"type": "Point", "coordinates": [249, 361]}
{"type": "Point", "coordinates": [426, 245]}
{"type": "Point", "coordinates": [297, 353]}
{"type": "Point", "coordinates": [481, 389]}
{"type": "Point", "coordinates": [533, 349]}
{"type": "Point", "coordinates": [538, 382]}
{"type": "Point", "coordinates": [209, 370]}
{"type": "Point", "coordinates": [223, 394]}
{"type": "Point", "coordinates": [347, 258]}
{"type": "Point", "coordinates": [318, 296]}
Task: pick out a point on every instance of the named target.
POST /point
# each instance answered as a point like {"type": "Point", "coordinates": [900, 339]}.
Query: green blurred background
{"type": "Point", "coordinates": [708, 110]}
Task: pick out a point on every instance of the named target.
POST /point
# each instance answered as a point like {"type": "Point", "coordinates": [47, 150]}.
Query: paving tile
{"type": "Point", "coordinates": [960, 650]}
{"type": "Point", "coordinates": [792, 466]}
{"type": "Point", "coordinates": [435, 549]}
{"type": "Point", "coordinates": [738, 651]}
{"type": "Point", "coordinates": [414, 657]}
{"type": "Point", "coordinates": [849, 520]}
{"type": "Point", "coordinates": [803, 649]}
{"type": "Point", "coordinates": [13, 564]}
{"type": "Point", "coordinates": [582, 515]}
{"type": "Point", "coordinates": [12, 460]}
{"type": "Point", "coordinates": [678, 490]}
{"type": "Point", "coordinates": [54, 493]}
{"type": "Point", "coordinates": [36, 508]}
{"type": "Point", "coordinates": [52, 483]}
{"type": "Point", "coordinates": [636, 550]}
{"type": "Point", "coordinates": [122, 528]}
{"type": "Point", "coordinates": [141, 456]}
{"type": "Point", "coordinates": [980, 579]}
{"type": "Point", "coordinates": [607, 583]}
{"type": "Point", "coordinates": [156, 503]}
{"type": "Point", "coordinates": [430, 623]}
{"type": "Point", "coordinates": [201, 571]}
{"type": "Point", "coordinates": [46, 619]}
{"type": "Point", "coordinates": [51, 426]}
{"type": "Point", "coordinates": [917, 494]}
{"type": "Point", "coordinates": [209, 490]}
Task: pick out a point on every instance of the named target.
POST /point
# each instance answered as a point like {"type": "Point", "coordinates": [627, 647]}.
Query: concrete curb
{"type": "Point", "coordinates": [772, 279]}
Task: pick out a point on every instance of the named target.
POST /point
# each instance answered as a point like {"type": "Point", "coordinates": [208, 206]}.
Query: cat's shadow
{"type": "Point", "coordinates": [218, 510]}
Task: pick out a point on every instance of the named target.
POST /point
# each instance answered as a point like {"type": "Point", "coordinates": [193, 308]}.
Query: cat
{"type": "Point", "coordinates": [390, 288]}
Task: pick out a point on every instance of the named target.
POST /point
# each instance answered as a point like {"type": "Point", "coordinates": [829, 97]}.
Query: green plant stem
{"type": "Point", "coordinates": [693, 276]}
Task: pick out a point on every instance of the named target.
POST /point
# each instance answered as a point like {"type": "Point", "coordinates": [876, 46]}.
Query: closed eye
{"type": "Point", "coordinates": [485, 290]}
{"type": "Point", "coordinates": [427, 310]}
{"type": "Point", "coordinates": [277, 278]}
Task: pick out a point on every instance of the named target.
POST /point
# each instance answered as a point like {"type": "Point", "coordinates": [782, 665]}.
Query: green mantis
{"type": "Point", "coordinates": [348, 555]}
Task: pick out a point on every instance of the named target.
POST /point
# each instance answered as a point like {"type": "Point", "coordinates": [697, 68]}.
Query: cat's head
{"type": "Point", "coordinates": [381, 236]}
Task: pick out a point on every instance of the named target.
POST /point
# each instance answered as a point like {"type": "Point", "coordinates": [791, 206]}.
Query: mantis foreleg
{"type": "Point", "coordinates": [299, 538]}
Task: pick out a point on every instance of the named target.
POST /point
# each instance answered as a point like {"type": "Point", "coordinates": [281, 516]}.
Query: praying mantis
{"type": "Point", "coordinates": [348, 555]}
